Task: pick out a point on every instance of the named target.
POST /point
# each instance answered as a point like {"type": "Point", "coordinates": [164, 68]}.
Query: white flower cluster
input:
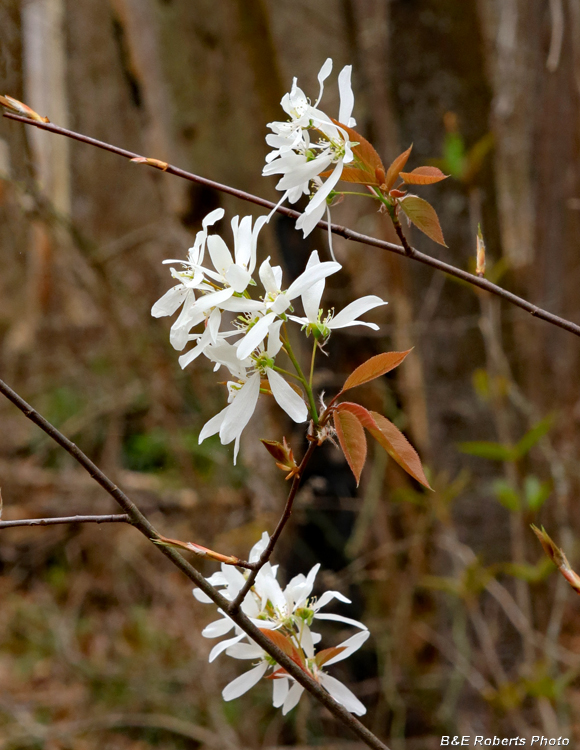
{"type": "Point", "coordinates": [308, 144]}
{"type": "Point", "coordinates": [211, 297]}
{"type": "Point", "coordinates": [291, 613]}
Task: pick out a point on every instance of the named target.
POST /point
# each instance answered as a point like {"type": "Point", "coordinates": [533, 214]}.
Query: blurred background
{"type": "Point", "coordinates": [473, 632]}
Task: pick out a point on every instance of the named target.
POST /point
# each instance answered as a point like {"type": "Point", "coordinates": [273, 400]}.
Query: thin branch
{"type": "Point", "coordinates": [265, 556]}
{"type": "Point", "coordinates": [140, 522]}
{"type": "Point", "coordinates": [119, 518]}
{"type": "Point", "coordinates": [348, 234]}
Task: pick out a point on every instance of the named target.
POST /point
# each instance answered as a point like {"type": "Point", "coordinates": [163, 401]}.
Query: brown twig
{"type": "Point", "coordinates": [348, 234]}
{"type": "Point", "coordinates": [119, 518]}
{"type": "Point", "coordinates": [265, 556]}
{"type": "Point", "coordinates": [142, 524]}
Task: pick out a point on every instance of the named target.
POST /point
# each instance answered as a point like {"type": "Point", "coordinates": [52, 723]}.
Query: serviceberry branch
{"type": "Point", "coordinates": [341, 231]}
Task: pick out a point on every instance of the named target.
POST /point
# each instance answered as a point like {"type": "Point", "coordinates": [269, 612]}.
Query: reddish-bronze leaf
{"type": "Point", "coordinates": [374, 368]}
{"type": "Point", "coordinates": [423, 216]}
{"type": "Point", "coordinates": [285, 644]}
{"type": "Point", "coordinates": [423, 176]}
{"type": "Point", "coordinates": [352, 174]}
{"type": "Point", "coordinates": [396, 166]}
{"type": "Point", "coordinates": [390, 438]}
{"type": "Point", "coordinates": [352, 439]}
{"type": "Point", "coordinates": [399, 448]}
{"type": "Point", "coordinates": [366, 157]}
{"type": "Point", "coordinates": [328, 653]}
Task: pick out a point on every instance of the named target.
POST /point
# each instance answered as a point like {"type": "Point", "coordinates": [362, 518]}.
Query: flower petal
{"type": "Point", "coordinates": [342, 694]}
{"type": "Point", "coordinates": [219, 254]}
{"type": "Point", "coordinates": [246, 651]}
{"type": "Point", "coordinates": [244, 682]}
{"type": "Point", "coordinates": [346, 96]}
{"type": "Point", "coordinates": [255, 336]}
{"type": "Point", "coordinates": [340, 618]}
{"type": "Point", "coordinates": [310, 276]}
{"type": "Point", "coordinates": [286, 397]}
{"type": "Point", "coordinates": [201, 596]}
{"type": "Point", "coordinates": [325, 71]}
{"type": "Point", "coordinates": [223, 645]}
{"type": "Point", "coordinates": [218, 628]}
{"type": "Point", "coordinates": [281, 688]}
{"type": "Point", "coordinates": [214, 425]}
{"type": "Point", "coordinates": [292, 698]}
{"type": "Point", "coordinates": [170, 301]}
{"type": "Point", "coordinates": [328, 596]}
{"type": "Point", "coordinates": [240, 410]}
{"type": "Point", "coordinates": [351, 645]}
{"type": "Point", "coordinates": [348, 316]}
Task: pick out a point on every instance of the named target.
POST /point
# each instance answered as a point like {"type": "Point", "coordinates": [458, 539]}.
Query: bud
{"type": "Point", "coordinates": [162, 165]}
{"type": "Point", "coordinates": [558, 557]}
{"type": "Point", "coordinates": [282, 454]}
{"type": "Point", "coordinates": [480, 260]}
{"type": "Point", "coordinates": [197, 549]}
{"type": "Point", "coordinates": [21, 109]}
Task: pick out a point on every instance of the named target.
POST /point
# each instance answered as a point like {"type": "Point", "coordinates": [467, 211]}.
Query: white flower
{"type": "Point", "coordinates": [322, 327]}
{"type": "Point", "coordinates": [243, 394]}
{"type": "Point", "coordinates": [301, 160]}
{"type": "Point", "coordinates": [291, 612]}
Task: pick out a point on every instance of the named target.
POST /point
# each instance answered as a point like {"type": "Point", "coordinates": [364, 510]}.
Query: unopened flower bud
{"type": "Point", "coordinates": [282, 454]}
{"type": "Point", "coordinates": [480, 260]}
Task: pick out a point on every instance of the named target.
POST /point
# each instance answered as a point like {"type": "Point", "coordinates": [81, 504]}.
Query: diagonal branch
{"type": "Point", "coordinates": [266, 554]}
{"type": "Point", "coordinates": [348, 234]}
{"type": "Point", "coordinates": [140, 522]}
{"type": "Point", "coordinates": [119, 518]}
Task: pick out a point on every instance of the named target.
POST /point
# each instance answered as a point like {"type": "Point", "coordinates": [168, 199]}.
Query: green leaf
{"type": "Point", "coordinates": [529, 573]}
{"type": "Point", "coordinates": [536, 492]}
{"type": "Point", "coordinates": [352, 439]}
{"type": "Point", "coordinates": [395, 168]}
{"type": "Point", "coordinates": [423, 216]}
{"type": "Point", "coordinates": [506, 494]}
{"type": "Point", "coordinates": [423, 176]}
{"type": "Point", "coordinates": [454, 154]}
{"type": "Point", "coordinates": [488, 449]}
{"type": "Point", "coordinates": [374, 368]}
{"type": "Point", "coordinates": [534, 436]}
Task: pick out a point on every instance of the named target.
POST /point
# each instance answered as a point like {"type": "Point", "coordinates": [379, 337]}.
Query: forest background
{"type": "Point", "coordinates": [472, 632]}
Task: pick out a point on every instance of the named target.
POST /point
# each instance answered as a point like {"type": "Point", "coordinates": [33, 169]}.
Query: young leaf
{"type": "Point", "coordinates": [533, 436]}
{"type": "Point", "coordinates": [399, 448]}
{"type": "Point", "coordinates": [374, 368]}
{"type": "Point", "coordinates": [285, 645]}
{"type": "Point", "coordinates": [390, 438]}
{"type": "Point", "coordinates": [366, 157]}
{"type": "Point", "coordinates": [328, 653]}
{"type": "Point", "coordinates": [506, 494]}
{"type": "Point", "coordinates": [395, 168]}
{"type": "Point", "coordinates": [423, 176]}
{"type": "Point", "coordinates": [353, 174]}
{"type": "Point", "coordinates": [423, 216]}
{"type": "Point", "coordinates": [352, 439]}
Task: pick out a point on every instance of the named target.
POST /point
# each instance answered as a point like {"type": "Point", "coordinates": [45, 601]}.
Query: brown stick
{"type": "Point", "coordinates": [119, 518]}
{"type": "Point", "coordinates": [265, 556]}
{"type": "Point", "coordinates": [140, 522]}
{"type": "Point", "coordinates": [348, 234]}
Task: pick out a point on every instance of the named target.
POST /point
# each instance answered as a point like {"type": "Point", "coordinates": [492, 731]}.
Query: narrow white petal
{"type": "Point", "coordinates": [281, 688]}
{"type": "Point", "coordinates": [308, 221]}
{"type": "Point", "coordinates": [286, 397]}
{"type": "Point", "coordinates": [310, 276]}
{"type": "Point", "coordinates": [268, 278]}
{"type": "Point", "coordinates": [312, 296]}
{"type": "Point", "coordinates": [323, 192]}
{"type": "Point", "coordinates": [325, 71]}
{"type": "Point", "coordinates": [348, 316]}
{"type": "Point", "coordinates": [213, 299]}
{"type": "Point", "coordinates": [274, 340]}
{"type": "Point", "coordinates": [214, 425]}
{"type": "Point", "coordinates": [238, 278]}
{"type": "Point", "coordinates": [346, 95]}
{"type": "Point", "coordinates": [201, 596]}
{"type": "Point", "coordinates": [305, 172]}
{"type": "Point", "coordinates": [240, 410]}
{"type": "Point", "coordinates": [259, 547]}
{"type": "Point", "coordinates": [328, 596]}
{"type": "Point", "coordinates": [246, 651]}
{"type": "Point", "coordinates": [222, 646]}
{"type": "Point", "coordinates": [219, 253]}
{"type": "Point", "coordinates": [170, 301]}
{"type": "Point", "coordinates": [255, 336]}
{"type": "Point", "coordinates": [212, 217]}
{"type": "Point", "coordinates": [244, 682]}
{"type": "Point", "coordinates": [218, 628]}
{"type": "Point", "coordinates": [243, 241]}
{"type": "Point", "coordinates": [341, 618]}
{"type": "Point", "coordinates": [342, 694]}
{"type": "Point", "coordinates": [306, 642]}
{"type": "Point", "coordinates": [292, 698]}
{"type": "Point", "coordinates": [351, 645]}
